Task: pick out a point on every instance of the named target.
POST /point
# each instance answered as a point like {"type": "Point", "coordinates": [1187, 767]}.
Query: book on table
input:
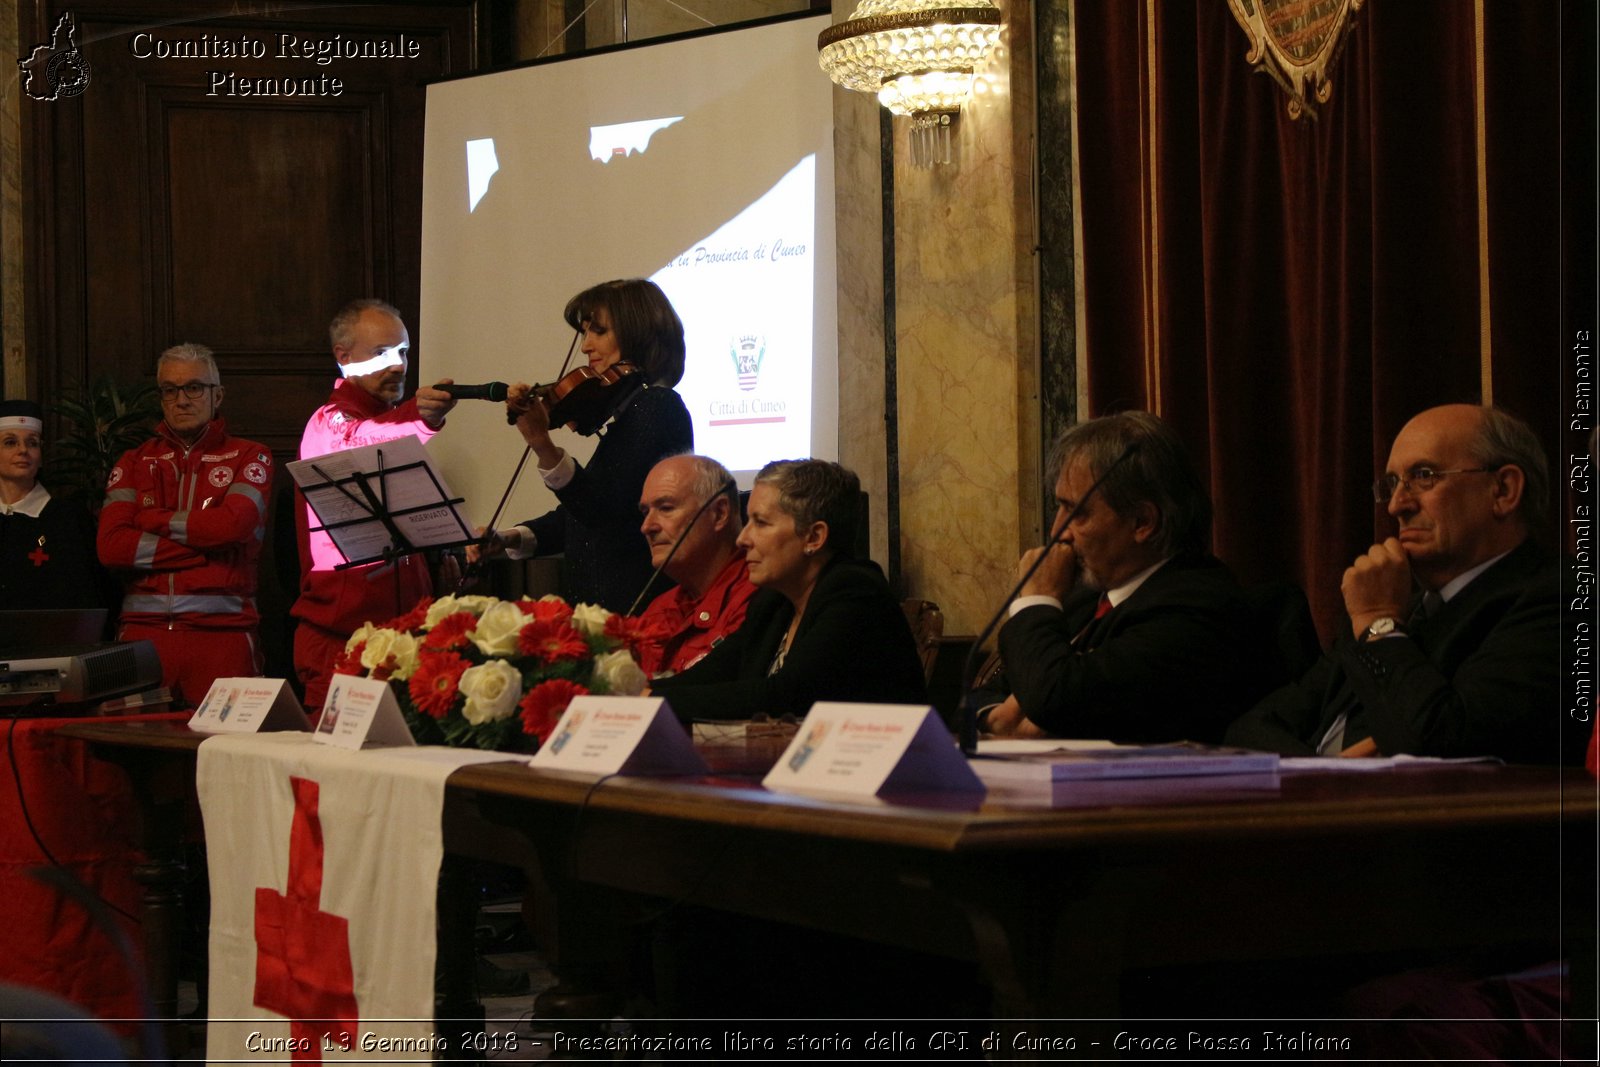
{"type": "Point", "coordinates": [1072, 760]}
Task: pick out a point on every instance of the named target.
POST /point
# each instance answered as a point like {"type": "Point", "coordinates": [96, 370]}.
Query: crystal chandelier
{"type": "Point", "coordinates": [918, 56]}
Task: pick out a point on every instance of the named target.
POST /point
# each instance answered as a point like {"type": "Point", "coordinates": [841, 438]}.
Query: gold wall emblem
{"type": "Point", "coordinates": [1297, 41]}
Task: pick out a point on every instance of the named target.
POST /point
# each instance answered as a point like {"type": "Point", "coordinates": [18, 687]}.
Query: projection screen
{"type": "Point", "coordinates": [704, 163]}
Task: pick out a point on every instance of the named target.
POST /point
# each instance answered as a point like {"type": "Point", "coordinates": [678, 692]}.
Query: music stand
{"type": "Point", "coordinates": [382, 502]}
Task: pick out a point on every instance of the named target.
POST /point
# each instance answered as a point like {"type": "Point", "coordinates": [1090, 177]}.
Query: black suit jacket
{"type": "Point", "coordinates": [1177, 660]}
{"type": "Point", "coordinates": [853, 644]}
{"type": "Point", "coordinates": [1480, 677]}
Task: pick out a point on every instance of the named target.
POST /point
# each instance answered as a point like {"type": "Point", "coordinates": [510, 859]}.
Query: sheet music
{"type": "Point", "coordinates": [411, 490]}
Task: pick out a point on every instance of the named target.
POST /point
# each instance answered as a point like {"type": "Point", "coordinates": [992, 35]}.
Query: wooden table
{"type": "Point", "coordinates": [1053, 897]}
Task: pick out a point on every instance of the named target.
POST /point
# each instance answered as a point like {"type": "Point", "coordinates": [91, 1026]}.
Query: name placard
{"type": "Point", "coordinates": [619, 735]}
{"type": "Point", "coordinates": [868, 749]}
{"type": "Point", "coordinates": [248, 706]}
{"type": "Point", "coordinates": [361, 712]}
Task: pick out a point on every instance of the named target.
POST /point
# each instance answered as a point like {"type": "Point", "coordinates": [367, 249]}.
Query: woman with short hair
{"type": "Point", "coordinates": [823, 626]}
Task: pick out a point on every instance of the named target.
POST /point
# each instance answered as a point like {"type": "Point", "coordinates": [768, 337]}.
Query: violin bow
{"type": "Point", "coordinates": [470, 575]}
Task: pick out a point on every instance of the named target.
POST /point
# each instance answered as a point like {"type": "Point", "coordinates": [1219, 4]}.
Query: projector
{"type": "Point", "coordinates": [77, 674]}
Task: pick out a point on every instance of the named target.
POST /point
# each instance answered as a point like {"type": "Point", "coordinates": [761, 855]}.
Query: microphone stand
{"type": "Point", "coordinates": [969, 698]}
{"type": "Point", "coordinates": [470, 575]}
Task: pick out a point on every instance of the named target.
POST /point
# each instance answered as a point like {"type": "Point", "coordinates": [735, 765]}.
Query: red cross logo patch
{"type": "Point", "coordinates": [303, 969]}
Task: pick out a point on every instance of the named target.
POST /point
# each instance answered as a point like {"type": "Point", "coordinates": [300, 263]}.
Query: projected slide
{"type": "Point", "coordinates": [704, 164]}
{"type": "Point", "coordinates": [747, 288]}
{"type": "Point", "coordinates": [625, 138]}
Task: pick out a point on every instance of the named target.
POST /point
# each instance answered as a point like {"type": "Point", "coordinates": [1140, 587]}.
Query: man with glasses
{"type": "Point", "coordinates": [182, 524]}
{"type": "Point", "coordinates": [1451, 643]}
{"type": "Point", "coordinates": [371, 346]}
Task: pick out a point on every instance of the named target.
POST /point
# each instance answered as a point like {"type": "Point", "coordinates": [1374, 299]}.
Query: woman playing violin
{"type": "Point", "coordinates": [630, 333]}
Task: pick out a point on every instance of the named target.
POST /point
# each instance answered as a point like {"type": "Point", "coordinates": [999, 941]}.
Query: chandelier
{"type": "Point", "coordinates": [918, 56]}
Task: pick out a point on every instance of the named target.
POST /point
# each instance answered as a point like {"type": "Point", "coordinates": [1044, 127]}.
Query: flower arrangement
{"type": "Point", "coordinates": [479, 672]}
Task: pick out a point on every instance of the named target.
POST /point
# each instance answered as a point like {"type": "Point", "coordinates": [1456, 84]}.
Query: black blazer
{"type": "Point", "coordinates": [1481, 677]}
{"type": "Point", "coordinates": [597, 525]}
{"type": "Point", "coordinates": [853, 644]}
{"type": "Point", "coordinates": [1177, 660]}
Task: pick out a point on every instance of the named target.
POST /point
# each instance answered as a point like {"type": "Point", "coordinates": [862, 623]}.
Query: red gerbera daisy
{"type": "Point", "coordinates": [451, 631]}
{"type": "Point", "coordinates": [635, 631]}
{"type": "Point", "coordinates": [436, 683]}
{"type": "Point", "coordinates": [551, 641]}
{"type": "Point", "coordinates": [546, 610]}
{"type": "Point", "coordinates": [412, 619]}
{"type": "Point", "coordinates": [350, 662]}
{"type": "Point", "coordinates": [543, 705]}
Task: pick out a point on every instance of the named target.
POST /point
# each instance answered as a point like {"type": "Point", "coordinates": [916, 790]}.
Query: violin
{"type": "Point", "coordinates": [585, 399]}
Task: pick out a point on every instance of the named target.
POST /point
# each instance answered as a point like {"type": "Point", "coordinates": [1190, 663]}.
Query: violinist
{"type": "Point", "coordinates": [632, 337]}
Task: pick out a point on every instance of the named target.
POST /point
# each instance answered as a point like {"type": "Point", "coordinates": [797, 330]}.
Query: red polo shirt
{"type": "Point", "coordinates": [696, 625]}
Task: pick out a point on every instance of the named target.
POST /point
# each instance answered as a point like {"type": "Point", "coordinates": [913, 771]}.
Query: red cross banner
{"type": "Point", "coordinates": [323, 867]}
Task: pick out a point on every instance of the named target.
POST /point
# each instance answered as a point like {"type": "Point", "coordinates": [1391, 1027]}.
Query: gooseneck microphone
{"type": "Point", "coordinates": [969, 702]}
{"type": "Point", "coordinates": [495, 391]}
{"type": "Point", "coordinates": [721, 491]}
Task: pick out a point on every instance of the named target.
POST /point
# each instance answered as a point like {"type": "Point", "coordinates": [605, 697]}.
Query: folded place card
{"type": "Point", "coordinates": [361, 712]}
{"type": "Point", "coordinates": [619, 735]}
{"type": "Point", "coordinates": [868, 749]}
{"type": "Point", "coordinates": [248, 706]}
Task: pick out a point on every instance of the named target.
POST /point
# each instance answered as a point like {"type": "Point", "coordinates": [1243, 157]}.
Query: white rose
{"type": "Point", "coordinates": [380, 643]}
{"type": "Point", "coordinates": [492, 690]}
{"type": "Point", "coordinates": [440, 610]}
{"type": "Point", "coordinates": [498, 627]}
{"type": "Point", "coordinates": [476, 604]}
{"type": "Point", "coordinates": [361, 634]}
{"type": "Point", "coordinates": [404, 649]}
{"type": "Point", "coordinates": [590, 619]}
{"type": "Point", "coordinates": [619, 674]}
{"type": "Point", "coordinates": [384, 644]}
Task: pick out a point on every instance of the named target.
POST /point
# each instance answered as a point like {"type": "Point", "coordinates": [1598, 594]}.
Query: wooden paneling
{"type": "Point", "coordinates": [161, 207]}
{"type": "Point", "coordinates": [173, 211]}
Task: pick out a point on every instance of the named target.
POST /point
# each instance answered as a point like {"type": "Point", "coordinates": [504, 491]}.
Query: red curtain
{"type": "Point", "coordinates": [1289, 292]}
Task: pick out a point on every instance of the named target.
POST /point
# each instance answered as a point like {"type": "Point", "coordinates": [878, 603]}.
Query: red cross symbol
{"type": "Point", "coordinates": [303, 967]}
{"type": "Point", "coordinates": [38, 556]}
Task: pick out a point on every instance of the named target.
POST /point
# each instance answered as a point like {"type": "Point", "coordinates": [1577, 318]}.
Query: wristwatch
{"type": "Point", "coordinates": [1381, 627]}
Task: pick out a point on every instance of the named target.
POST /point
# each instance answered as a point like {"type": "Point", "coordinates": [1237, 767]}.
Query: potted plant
{"type": "Point", "coordinates": [98, 423]}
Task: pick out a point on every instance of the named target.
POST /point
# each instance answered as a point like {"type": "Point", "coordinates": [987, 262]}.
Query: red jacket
{"type": "Point", "coordinates": [183, 526]}
{"type": "Point", "coordinates": [340, 601]}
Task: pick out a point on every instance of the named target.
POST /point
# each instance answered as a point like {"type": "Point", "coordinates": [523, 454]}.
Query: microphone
{"type": "Point", "coordinates": [495, 391]}
{"type": "Point", "coordinates": [721, 490]}
{"type": "Point", "coordinates": [969, 705]}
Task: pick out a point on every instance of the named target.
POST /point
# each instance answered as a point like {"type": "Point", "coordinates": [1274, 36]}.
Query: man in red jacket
{"type": "Point", "coordinates": [372, 347]}
{"type": "Point", "coordinates": [182, 524]}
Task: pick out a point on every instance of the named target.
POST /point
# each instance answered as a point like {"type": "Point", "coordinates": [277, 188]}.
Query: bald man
{"type": "Point", "coordinates": [1451, 644]}
{"type": "Point", "coordinates": [713, 581]}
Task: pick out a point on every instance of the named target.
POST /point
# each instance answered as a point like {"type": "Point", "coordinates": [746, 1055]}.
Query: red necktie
{"type": "Point", "coordinates": [1102, 609]}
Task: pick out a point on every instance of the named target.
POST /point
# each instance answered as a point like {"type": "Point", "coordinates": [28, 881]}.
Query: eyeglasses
{"type": "Point", "coordinates": [192, 390]}
{"type": "Point", "coordinates": [1419, 480]}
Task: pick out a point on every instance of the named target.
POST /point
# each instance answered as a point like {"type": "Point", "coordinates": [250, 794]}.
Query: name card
{"type": "Point", "coordinates": [361, 713]}
{"type": "Point", "coordinates": [619, 735]}
{"type": "Point", "coordinates": [248, 706]}
{"type": "Point", "coordinates": [867, 749]}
